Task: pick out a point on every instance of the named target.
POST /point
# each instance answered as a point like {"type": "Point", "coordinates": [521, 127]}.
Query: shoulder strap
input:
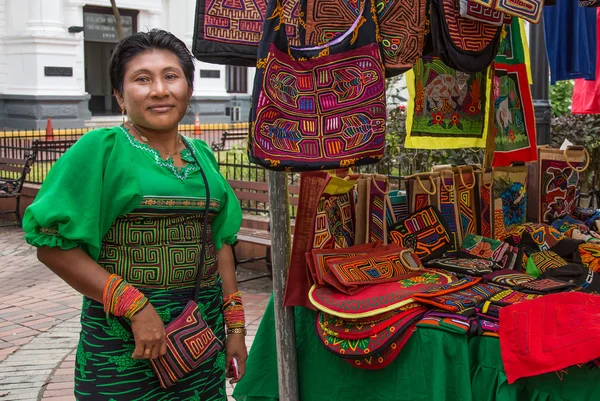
{"type": "Point", "coordinates": [204, 224]}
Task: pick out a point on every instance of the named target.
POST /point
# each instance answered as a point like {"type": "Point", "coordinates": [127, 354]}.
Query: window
{"type": "Point", "coordinates": [210, 74]}
{"type": "Point", "coordinates": [237, 79]}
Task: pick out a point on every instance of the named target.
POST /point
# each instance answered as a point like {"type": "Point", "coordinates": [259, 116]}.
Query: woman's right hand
{"type": "Point", "coordinates": [148, 333]}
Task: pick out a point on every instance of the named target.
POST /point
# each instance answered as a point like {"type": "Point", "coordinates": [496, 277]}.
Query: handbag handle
{"type": "Point", "coordinates": [204, 225]}
{"type": "Point", "coordinates": [462, 180]}
{"type": "Point", "coordinates": [446, 187]}
{"type": "Point", "coordinates": [587, 158]}
{"type": "Point", "coordinates": [423, 188]}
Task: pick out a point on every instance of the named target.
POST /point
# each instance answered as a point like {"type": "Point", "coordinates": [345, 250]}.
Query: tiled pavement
{"type": "Point", "coordinates": [39, 323]}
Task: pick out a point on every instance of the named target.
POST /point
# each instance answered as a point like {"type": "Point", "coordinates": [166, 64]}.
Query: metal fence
{"type": "Point", "coordinates": [230, 154]}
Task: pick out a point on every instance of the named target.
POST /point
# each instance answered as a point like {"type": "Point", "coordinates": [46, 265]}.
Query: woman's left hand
{"type": "Point", "coordinates": [235, 347]}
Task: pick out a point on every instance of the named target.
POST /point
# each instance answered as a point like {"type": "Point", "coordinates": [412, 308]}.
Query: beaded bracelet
{"type": "Point", "coordinates": [233, 311]}
{"type": "Point", "coordinates": [121, 298]}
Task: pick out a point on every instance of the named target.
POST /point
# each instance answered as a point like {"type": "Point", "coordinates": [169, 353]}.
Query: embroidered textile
{"type": "Point", "coordinates": [484, 248]}
{"type": "Point", "coordinates": [511, 297]}
{"type": "Point", "coordinates": [545, 286]}
{"type": "Point", "coordinates": [507, 277]}
{"type": "Point", "coordinates": [376, 299]}
{"type": "Point", "coordinates": [423, 231]}
{"type": "Point", "coordinates": [401, 27]}
{"type": "Point", "coordinates": [422, 191]}
{"type": "Point", "coordinates": [228, 32]}
{"type": "Point", "coordinates": [447, 108]}
{"type": "Point", "coordinates": [590, 256]}
{"type": "Point", "coordinates": [474, 267]}
{"type": "Point", "coordinates": [320, 258]}
{"type": "Point", "coordinates": [514, 117]}
{"type": "Point", "coordinates": [445, 323]}
{"type": "Point", "coordinates": [549, 334]}
{"type": "Point", "coordinates": [586, 279]}
{"type": "Point", "coordinates": [477, 12]}
{"type": "Point", "coordinates": [387, 356]}
{"type": "Point", "coordinates": [529, 10]}
{"type": "Point", "coordinates": [364, 347]}
{"type": "Point", "coordinates": [318, 108]}
{"type": "Point", "coordinates": [510, 199]}
{"type": "Point", "coordinates": [462, 300]}
{"type": "Point", "coordinates": [539, 262]}
{"type": "Point", "coordinates": [465, 194]}
{"type": "Point", "coordinates": [352, 274]}
{"type": "Point", "coordinates": [484, 184]}
{"type": "Point", "coordinates": [399, 202]}
{"type": "Point", "coordinates": [378, 209]}
{"type": "Point", "coordinates": [541, 236]}
{"type": "Point", "coordinates": [468, 34]}
{"type": "Point", "coordinates": [448, 288]}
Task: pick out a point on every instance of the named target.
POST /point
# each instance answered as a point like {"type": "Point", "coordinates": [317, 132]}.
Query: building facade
{"type": "Point", "coordinates": [54, 57]}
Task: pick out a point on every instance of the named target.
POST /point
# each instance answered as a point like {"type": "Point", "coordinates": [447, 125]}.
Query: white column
{"type": "Point", "coordinates": [45, 16]}
{"type": "Point", "coordinates": [190, 11]}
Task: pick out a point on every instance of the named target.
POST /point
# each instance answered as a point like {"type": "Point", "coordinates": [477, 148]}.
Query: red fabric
{"type": "Point", "coordinates": [586, 94]}
{"type": "Point", "coordinates": [549, 334]}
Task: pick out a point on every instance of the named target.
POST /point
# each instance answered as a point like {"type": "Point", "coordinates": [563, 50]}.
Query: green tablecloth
{"type": "Point", "coordinates": [433, 366]}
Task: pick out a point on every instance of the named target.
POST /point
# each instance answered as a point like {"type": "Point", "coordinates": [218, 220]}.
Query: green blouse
{"type": "Point", "coordinates": [108, 174]}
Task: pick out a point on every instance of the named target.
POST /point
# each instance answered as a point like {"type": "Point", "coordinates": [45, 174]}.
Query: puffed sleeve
{"type": "Point", "coordinates": [228, 221]}
{"type": "Point", "coordinates": [83, 194]}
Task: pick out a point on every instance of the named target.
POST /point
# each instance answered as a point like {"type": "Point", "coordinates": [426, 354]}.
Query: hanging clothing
{"type": "Point", "coordinates": [570, 32]}
{"type": "Point", "coordinates": [138, 216]}
{"type": "Point", "coordinates": [586, 93]}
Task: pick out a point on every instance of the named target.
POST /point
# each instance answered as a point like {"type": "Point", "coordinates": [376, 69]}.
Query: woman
{"type": "Point", "coordinates": [119, 218]}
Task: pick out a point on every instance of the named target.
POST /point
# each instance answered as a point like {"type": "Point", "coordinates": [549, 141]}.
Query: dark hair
{"type": "Point", "coordinates": [140, 42]}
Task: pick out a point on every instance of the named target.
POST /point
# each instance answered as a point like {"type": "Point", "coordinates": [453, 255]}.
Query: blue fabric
{"type": "Point", "coordinates": [570, 32]}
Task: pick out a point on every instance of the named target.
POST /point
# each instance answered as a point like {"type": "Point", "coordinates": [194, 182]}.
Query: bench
{"type": "Point", "coordinates": [51, 150]}
{"type": "Point", "coordinates": [257, 192]}
{"type": "Point", "coordinates": [228, 136]}
{"type": "Point", "coordinates": [15, 171]}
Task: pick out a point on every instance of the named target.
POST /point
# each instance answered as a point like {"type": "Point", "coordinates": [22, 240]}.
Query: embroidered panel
{"type": "Point", "coordinates": [514, 119]}
{"type": "Point", "coordinates": [423, 231]}
{"type": "Point", "coordinates": [462, 300]}
{"type": "Point", "coordinates": [510, 199]}
{"type": "Point", "coordinates": [542, 261]}
{"type": "Point", "coordinates": [541, 236]}
{"type": "Point", "coordinates": [507, 277]}
{"type": "Point", "coordinates": [158, 251]}
{"type": "Point", "coordinates": [401, 27]}
{"type": "Point", "coordinates": [484, 248]}
{"type": "Point", "coordinates": [510, 297]}
{"type": "Point", "coordinates": [334, 222]}
{"type": "Point", "coordinates": [529, 10]}
{"type": "Point", "coordinates": [474, 267]}
{"type": "Point", "coordinates": [384, 358]}
{"type": "Point", "coordinates": [399, 203]}
{"type": "Point", "coordinates": [467, 34]}
{"type": "Point", "coordinates": [448, 288]}
{"type": "Point", "coordinates": [321, 258]}
{"type": "Point", "coordinates": [240, 22]}
{"type": "Point", "coordinates": [377, 209]}
{"type": "Point", "coordinates": [378, 299]}
{"type": "Point", "coordinates": [448, 211]}
{"type": "Point", "coordinates": [177, 204]}
{"type": "Point", "coordinates": [546, 286]}
{"type": "Point", "coordinates": [316, 116]}
{"type": "Point", "coordinates": [475, 11]}
{"type": "Point", "coordinates": [485, 199]}
{"type": "Point", "coordinates": [448, 109]}
{"type": "Point", "coordinates": [559, 186]}
{"type": "Point", "coordinates": [466, 207]}
{"type": "Point", "coordinates": [360, 348]}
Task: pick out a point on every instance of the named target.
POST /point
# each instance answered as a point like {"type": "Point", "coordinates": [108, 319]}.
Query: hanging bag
{"type": "Point", "coordinates": [422, 190]}
{"type": "Point", "coordinates": [320, 107]}
{"type": "Point", "coordinates": [509, 199]}
{"type": "Point", "coordinates": [554, 183]}
{"type": "Point", "coordinates": [485, 182]}
{"type": "Point", "coordinates": [449, 205]}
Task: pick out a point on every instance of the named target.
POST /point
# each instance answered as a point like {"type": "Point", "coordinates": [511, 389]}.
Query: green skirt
{"type": "Point", "coordinates": [105, 370]}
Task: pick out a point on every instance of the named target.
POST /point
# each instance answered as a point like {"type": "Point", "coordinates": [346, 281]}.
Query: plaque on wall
{"type": "Point", "coordinates": [102, 27]}
{"type": "Point", "coordinates": [58, 71]}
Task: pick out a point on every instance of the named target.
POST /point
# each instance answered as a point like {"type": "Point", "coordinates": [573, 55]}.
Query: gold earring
{"type": "Point", "coordinates": [123, 114]}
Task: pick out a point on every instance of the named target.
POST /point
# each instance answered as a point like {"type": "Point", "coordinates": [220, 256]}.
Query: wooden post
{"type": "Point", "coordinates": [285, 330]}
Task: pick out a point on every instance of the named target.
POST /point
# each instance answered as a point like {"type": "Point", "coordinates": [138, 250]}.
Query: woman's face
{"type": "Point", "coordinates": [155, 90]}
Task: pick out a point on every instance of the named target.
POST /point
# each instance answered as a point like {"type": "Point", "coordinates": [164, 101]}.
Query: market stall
{"type": "Point", "coordinates": [470, 281]}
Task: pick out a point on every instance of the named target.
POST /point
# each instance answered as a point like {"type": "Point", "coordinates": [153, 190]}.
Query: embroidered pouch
{"type": "Point", "coordinates": [534, 237]}
{"type": "Point", "coordinates": [472, 266]}
{"type": "Point", "coordinates": [586, 279]}
{"type": "Point", "coordinates": [507, 277]}
{"type": "Point", "coordinates": [423, 231]}
{"type": "Point", "coordinates": [352, 274]}
{"type": "Point", "coordinates": [364, 347]}
{"type": "Point", "coordinates": [511, 297]}
{"type": "Point", "coordinates": [539, 262]}
{"type": "Point", "coordinates": [545, 286]}
{"type": "Point", "coordinates": [377, 299]}
{"type": "Point", "coordinates": [321, 107]}
{"type": "Point", "coordinates": [484, 248]}
{"type": "Point", "coordinates": [320, 257]}
{"type": "Point", "coordinates": [462, 300]}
